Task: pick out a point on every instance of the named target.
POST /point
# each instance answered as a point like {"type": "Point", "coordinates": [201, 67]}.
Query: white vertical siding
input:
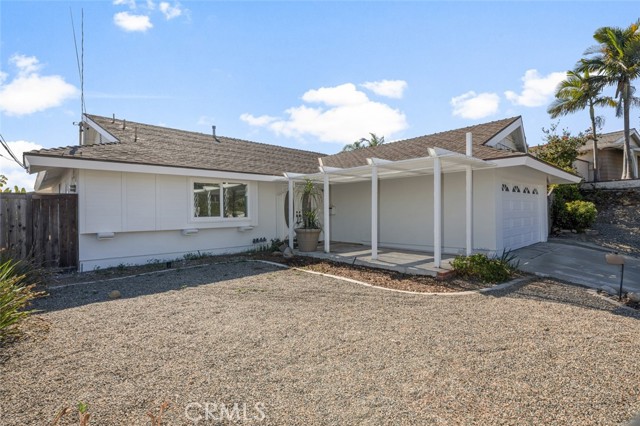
{"type": "Point", "coordinates": [406, 212]}
{"type": "Point", "coordinates": [148, 212]}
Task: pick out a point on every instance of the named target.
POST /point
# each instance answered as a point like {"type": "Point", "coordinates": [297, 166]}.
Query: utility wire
{"type": "Point", "coordinates": [5, 145]}
{"type": "Point", "coordinates": [79, 57]}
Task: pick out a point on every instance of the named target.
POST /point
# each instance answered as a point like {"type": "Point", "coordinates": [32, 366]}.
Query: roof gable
{"type": "Point", "coordinates": [453, 140]}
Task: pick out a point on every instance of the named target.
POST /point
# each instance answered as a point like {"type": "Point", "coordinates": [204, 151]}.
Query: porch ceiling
{"type": "Point", "coordinates": [386, 169]}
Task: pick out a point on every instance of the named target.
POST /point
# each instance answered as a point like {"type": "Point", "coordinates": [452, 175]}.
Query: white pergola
{"type": "Point", "coordinates": [437, 162]}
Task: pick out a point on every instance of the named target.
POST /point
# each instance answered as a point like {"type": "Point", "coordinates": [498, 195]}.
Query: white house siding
{"type": "Point", "coordinates": [406, 212]}
{"type": "Point", "coordinates": [147, 213]}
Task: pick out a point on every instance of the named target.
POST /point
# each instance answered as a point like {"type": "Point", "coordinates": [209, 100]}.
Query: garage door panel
{"type": "Point", "coordinates": [520, 215]}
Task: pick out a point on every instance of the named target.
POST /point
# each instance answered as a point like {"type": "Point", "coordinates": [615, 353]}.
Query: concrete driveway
{"type": "Point", "coordinates": [580, 264]}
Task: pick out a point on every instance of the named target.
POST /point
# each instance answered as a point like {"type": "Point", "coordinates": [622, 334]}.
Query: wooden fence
{"type": "Point", "coordinates": [41, 226]}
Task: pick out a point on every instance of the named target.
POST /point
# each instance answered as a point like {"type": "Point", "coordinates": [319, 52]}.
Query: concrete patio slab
{"type": "Point", "coordinates": [578, 264]}
{"type": "Point", "coordinates": [404, 261]}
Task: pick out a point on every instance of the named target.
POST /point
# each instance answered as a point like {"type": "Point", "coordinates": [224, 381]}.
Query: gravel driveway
{"type": "Point", "coordinates": [302, 349]}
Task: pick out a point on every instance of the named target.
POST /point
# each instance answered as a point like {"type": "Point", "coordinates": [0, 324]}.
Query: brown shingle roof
{"type": "Point", "coordinates": [178, 148]}
{"type": "Point", "coordinates": [452, 140]}
{"type": "Point", "coordinates": [606, 139]}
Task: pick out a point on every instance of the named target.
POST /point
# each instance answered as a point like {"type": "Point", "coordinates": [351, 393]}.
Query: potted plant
{"type": "Point", "coordinates": [308, 233]}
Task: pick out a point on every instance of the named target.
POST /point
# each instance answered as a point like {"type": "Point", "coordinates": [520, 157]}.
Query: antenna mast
{"type": "Point", "coordinates": [80, 62]}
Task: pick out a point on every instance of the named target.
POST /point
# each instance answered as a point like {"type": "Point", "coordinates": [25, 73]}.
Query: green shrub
{"type": "Point", "coordinates": [580, 215]}
{"type": "Point", "coordinates": [486, 269]}
{"type": "Point", "coordinates": [16, 292]}
{"type": "Point", "coordinates": [562, 194]}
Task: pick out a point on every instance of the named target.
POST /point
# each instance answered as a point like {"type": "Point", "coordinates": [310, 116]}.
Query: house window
{"type": "Point", "coordinates": [505, 187]}
{"type": "Point", "coordinates": [535, 191]}
{"type": "Point", "coordinates": [526, 190]}
{"type": "Point", "coordinates": [217, 200]}
{"type": "Point", "coordinates": [516, 188]}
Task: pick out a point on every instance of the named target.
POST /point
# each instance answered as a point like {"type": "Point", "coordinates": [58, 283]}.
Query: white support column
{"type": "Point", "coordinates": [374, 212]}
{"type": "Point", "coordinates": [469, 193]}
{"type": "Point", "coordinates": [327, 217]}
{"type": "Point", "coordinates": [437, 212]}
{"type": "Point", "coordinates": [292, 218]}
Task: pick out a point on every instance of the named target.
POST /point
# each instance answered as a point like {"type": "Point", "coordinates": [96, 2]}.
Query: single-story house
{"type": "Point", "coordinates": [152, 193]}
{"type": "Point", "coordinates": [610, 156]}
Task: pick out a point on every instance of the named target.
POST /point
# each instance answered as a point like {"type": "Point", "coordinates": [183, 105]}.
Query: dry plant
{"type": "Point", "coordinates": [83, 414]}
{"type": "Point", "coordinates": [157, 420]}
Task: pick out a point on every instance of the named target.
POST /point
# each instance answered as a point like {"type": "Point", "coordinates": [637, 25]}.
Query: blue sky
{"type": "Point", "coordinates": [309, 75]}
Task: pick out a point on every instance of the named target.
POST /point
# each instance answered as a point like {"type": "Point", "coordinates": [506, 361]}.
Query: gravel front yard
{"type": "Point", "coordinates": [304, 349]}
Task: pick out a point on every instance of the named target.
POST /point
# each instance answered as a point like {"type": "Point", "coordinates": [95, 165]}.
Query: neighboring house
{"type": "Point", "coordinates": [148, 192]}
{"type": "Point", "coordinates": [610, 156]}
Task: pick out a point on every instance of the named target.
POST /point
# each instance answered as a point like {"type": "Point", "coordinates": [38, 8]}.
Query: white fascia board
{"type": "Point", "coordinates": [378, 161]}
{"type": "Point", "coordinates": [516, 125]}
{"type": "Point", "coordinates": [326, 169]}
{"type": "Point", "coordinates": [95, 126]}
{"type": "Point", "coordinates": [527, 161]}
{"type": "Point", "coordinates": [38, 163]}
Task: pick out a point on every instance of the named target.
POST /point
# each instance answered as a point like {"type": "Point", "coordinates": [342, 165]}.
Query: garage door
{"type": "Point", "coordinates": [521, 205]}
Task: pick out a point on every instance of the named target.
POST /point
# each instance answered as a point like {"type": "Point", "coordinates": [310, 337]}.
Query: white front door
{"type": "Point", "coordinates": [521, 222]}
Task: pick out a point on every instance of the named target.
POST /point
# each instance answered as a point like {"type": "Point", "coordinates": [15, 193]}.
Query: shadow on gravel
{"type": "Point", "coordinates": [556, 291]}
{"type": "Point", "coordinates": [169, 280]}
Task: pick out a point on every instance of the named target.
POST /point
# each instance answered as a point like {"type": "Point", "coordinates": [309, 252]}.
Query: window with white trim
{"type": "Point", "coordinates": [220, 200]}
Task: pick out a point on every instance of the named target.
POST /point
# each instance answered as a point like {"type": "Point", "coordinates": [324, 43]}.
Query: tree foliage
{"type": "Point", "coordinates": [561, 150]}
{"type": "Point", "coordinates": [3, 183]}
{"type": "Point", "coordinates": [616, 60]}
{"type": "Point", "coordinates": [373, 140]}
{"type": "Point", "coordinates": [579, 91]}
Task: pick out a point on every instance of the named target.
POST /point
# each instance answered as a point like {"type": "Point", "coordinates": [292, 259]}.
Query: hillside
{"type": "Point", "coordinates": [618, 224]}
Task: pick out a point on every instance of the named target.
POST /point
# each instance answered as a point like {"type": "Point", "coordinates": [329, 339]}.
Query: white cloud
{"type": "Point", "coordinates": [25, 64]}
{"type": "Point", "coordinates": [130, 23]}
{"type": "Point", "coordinates": [151, 5]}
{"type": "Point", "coordinates": [347, 115]}
{"type": "Point", "coordinates": [30, 92]}
{"type": "Point", "coordinates": [169, 11]}
{"type": "Point", "coordinates": [389, 88]}
{"type": "Point", "coordinates": [130, 3]}
{"type": "Point", "coordinates": [474, 105]}
{"type": "Point", "coordinates": [345, 94]}
{"type": "Point", "coordinates": [262, 120]}
{"type": "Point", "coordinates": [536, 89]}
{"type": "Point", "coordinates": [14, 173]}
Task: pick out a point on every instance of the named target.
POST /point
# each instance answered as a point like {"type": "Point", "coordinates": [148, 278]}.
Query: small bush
{"type": "Point", "coordinates": [562, 194]}
{"type": "Point", "coordinates": [580, 215]}
{"type": "Point", "coordinates": [16, 292]}
{"type": "Point", "coordinates": [486, 269]}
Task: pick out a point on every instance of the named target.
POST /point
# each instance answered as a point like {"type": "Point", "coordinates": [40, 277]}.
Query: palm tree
{"type": "Point", "coordinates": [617, 60]}
{"type": "Point", "coordinates": [374, 140]}
{"type": "Point", "coordinates": [577, 92]}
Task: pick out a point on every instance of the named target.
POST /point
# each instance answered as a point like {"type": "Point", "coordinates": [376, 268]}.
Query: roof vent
{"type": "Point", "coordinates": [113, 120]}
{"type": "Point", "coordinates": [124, 124]}
{"type": "Point", "coordinates": [213, 131]}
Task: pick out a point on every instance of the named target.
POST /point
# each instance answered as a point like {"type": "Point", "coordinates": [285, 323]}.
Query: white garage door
{"type": "Point", "coordinates": [521, 205]}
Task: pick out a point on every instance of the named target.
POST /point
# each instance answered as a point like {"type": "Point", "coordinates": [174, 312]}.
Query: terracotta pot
{"type": "Point", "coordinates": [307, 239]}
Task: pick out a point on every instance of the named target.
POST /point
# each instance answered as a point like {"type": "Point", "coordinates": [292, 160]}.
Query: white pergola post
{"type": "Point", "coordinates": [374, 212]}
{"type": "Point", "coordinates": [437, 212]}
{"type": "Point", "coordinates": [291, 213]}
{"type": "Point", "coordinates": [469, 193]}
{"type": "Point", "coordinates": [327, 219]}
